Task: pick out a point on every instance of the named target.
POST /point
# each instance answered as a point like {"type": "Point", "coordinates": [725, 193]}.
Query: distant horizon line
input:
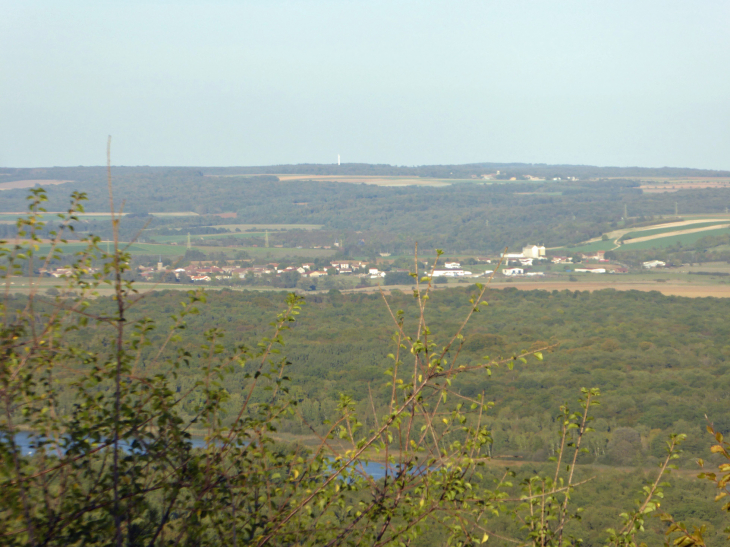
{"type": "Point", "coordinates": [400, 166]}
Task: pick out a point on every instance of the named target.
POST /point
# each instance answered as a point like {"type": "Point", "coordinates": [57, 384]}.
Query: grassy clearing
{"type": "Point", "coordinates": [134, 248]}
{"type": "Point", "coordinates": [256, 252]}
{"type": "Point", "coordinates": [183, 238]}
{"type": "Point", "coordinates": [712, 216]}
{"type": "Point", "coordinates": [688, 222]}
{"type": "Point", "coordinates": [11, 218]}
{"type": "Point", "coordinates": [684, 239]}
{"type": "Point", "coordinates": [280, 227]}
{"type": "Point", "coordinates": [670, 229]}
{"type": "Point", "coordinates": [179, 250]}
{"type": "Point", "coordinates": [281, 252]}
{"type": "Point", "coordinates": [588, 247]}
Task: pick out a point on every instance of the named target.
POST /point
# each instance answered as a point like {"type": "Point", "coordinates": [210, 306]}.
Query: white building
{"type": "Point", "coordinates": [452, 265]}
{"type": "Point", "coordinates": [533, 251]}
{"type": "Point", "coordinates": [654, 264]}
{"type": "Point", "coordinates": [450, 273]}
{"type": "Point", "coordinates": [513, 271]}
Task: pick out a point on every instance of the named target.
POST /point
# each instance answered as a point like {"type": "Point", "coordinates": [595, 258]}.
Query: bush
{"type": "Point", "coordinates": [398, 278]}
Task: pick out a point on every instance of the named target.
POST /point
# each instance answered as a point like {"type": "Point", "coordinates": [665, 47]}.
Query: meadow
{"type": "Point", "coordinates": [670, 240]}
{"type": "Point", "coordinates": [673, 228]}
{"type": "Point", "coordinates": [586, 248]}
{"type": "Point", "coordinates": [196, 238]}
{"type": "Point", "coordinates": [143, 249]}
{"type": "Point", "coordinates": [279, 227]}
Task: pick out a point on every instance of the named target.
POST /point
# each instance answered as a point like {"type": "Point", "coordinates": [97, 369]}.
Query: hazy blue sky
{"type": "Point", "coordinates": [401, 82]}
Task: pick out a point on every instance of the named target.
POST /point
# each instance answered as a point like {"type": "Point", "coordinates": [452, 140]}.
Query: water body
{"type": "Point", "coordinates": [24, 440]}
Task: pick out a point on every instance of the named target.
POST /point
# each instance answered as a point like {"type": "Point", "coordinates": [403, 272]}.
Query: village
{"type": "Point", "coordinates": [533, 262]}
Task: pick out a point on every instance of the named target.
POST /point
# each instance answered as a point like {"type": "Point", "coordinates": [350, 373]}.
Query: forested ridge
{"type": "Point", "coordinates": [467, 216]}
{"type": "Point", "coordinates": [365, 169]}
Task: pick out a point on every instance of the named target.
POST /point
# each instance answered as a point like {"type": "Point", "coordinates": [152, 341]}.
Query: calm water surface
{"type": "Point", "coordinates": [24, 440]}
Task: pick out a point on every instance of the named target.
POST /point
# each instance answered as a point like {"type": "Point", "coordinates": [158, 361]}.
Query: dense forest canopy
{"type": "Point", "coordinates": [661, 362]}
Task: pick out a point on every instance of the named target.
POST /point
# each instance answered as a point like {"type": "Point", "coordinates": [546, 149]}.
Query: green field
{"type": "Point", "coordinates": [179, 250]}
{"type": "Point", "coordinates": [725, 216]}
{"type": "Point", "coordinates": [134, 248]}
{"type": "Point", "coordinates": [587, 248]}
{"type": "Point", "coordinates": [6, 218]}
{"type": "Point", "coordinates": [284, 227]}
{"type": "Point", "coordinates": [281, 252]}
{"type": "Point", "coordinates": [669, 229]}
{"type": "Point", "coordinates": [684, 239]}
{"type": "Point", "coordinates": [655, 243]}
{"type": "Point", "coordinates": [184, 238]}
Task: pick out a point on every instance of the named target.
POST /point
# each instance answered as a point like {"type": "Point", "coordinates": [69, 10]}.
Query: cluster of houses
{"type": "Point", "coordinates": [534, 253]}
{"type": "Point", "coordinates": [514, 265]}
{"type": "Point", "coordinates": [599, 256]}
{"type": "Point", "coordinates": [201, 272]}
{"type": "Point", "coordinates": [527, 257]}
{"type": "Point", "coordinates": [60, 272]}
{"type": "Point", "coordinates": [452, 269]}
